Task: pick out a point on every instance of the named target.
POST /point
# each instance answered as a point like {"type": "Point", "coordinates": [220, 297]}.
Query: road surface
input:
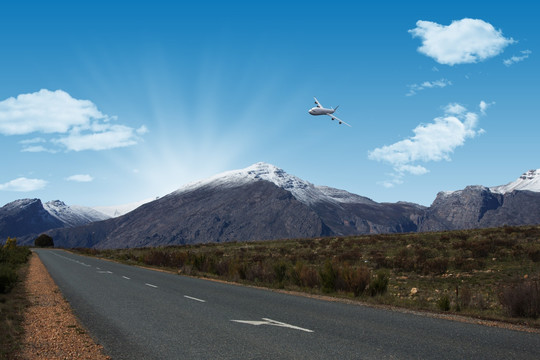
{"type": "Point", "coordinates": [137, 313]}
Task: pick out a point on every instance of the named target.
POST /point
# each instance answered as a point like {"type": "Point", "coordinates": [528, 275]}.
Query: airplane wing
{"type": "Point", "coordinates": [317, 102]}
{"type": "Point", "coordinates": [338, 119]}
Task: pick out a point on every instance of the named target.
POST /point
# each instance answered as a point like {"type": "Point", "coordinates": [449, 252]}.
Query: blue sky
{"type": "Point", "coordinates": [103, 104]}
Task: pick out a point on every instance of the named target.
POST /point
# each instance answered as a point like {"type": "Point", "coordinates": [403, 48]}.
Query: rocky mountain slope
{"type": "Point", "coordinates": [261, 202]}
{"type": "Point", "coordinates": [516, 203]}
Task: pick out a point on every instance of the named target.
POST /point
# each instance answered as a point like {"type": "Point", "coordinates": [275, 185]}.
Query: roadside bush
{"type": "Point", "coordinates": [10, 259]}
{"type": "Point", "coordinates": [522, 298]}
{"type": "Point", "coordinates": [156, 257]}
{"type": "Point", "coordinates": [379, 284]}
{"type": "Point", "coordinates": [328, 275]}
{"type": "Point", "coordinates": [8, 278]}
{"type": "Point", "coordinates": [355, 280]}
{"type": "Point", "coordinates": [223, 267]}
{"type": "Point", "coordinates": [444, 303]}
{"type": "Point", "coordinates": [11, 243]}
{"type": "Point", "coordinates": [44, 240]}
{"type": "Point", "coordinates": [15, 256]}
{"type": "Point", "coordinates": [309, 277]}
{"type": "Point", "coordinates": [259, 272]}
{"type": "Point", "coordinates": [280, 271]}
{"type": "Point", "coordinates": [295, 273]}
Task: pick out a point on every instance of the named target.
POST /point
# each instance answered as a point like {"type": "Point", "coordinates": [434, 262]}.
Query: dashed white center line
{"type": "Point", "coordinates": [125, 277]}
{"type": "Point", "coordinates": [193, 298]}
{"type": "Point", "coordinates": [147, 284]}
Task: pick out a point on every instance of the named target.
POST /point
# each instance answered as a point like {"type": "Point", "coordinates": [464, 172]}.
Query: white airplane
{"type": "Point", "coordinates": [320, 110]}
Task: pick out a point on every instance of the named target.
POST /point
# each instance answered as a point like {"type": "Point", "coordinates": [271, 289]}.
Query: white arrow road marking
{"type": "Point", "coordinates": [192, 298]}
{"type": "Point", "coordinates": [147, 284]}
{"type": "Point", "coordinates": [272, 323]}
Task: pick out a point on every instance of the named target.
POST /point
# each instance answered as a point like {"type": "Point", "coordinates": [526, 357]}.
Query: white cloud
{"type": "Point", "coordinates": [56, 112]}
{"type": "Point", "coordinates": [104, 137]}
{"type": "Point", "coordinates": [37, 148]}
{"type": "Point", "coordinates": [45, 111]}
{"type": "Point", "coordinates": [80, 178]}
{"type": "Point", "coordinates": [455, 109]}
{"type": "Point", "coordinates": [23, 184]}
{"type": "Point", "coordinates": [463, 41]}
{"type": "Point", "coordinates": [34, 145]}
{"type": "Point", "coordinates": [484, 106]}
{"type": "Point", "coordinates": [434, 141]}
{"type": "Point", "coordinates": [515, 59]}
{"type": "Point", "coordinates": [414, 88]}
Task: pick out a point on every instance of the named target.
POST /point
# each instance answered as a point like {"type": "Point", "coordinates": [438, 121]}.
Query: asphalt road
{"type": "Point", "coordinates": [143, 314]}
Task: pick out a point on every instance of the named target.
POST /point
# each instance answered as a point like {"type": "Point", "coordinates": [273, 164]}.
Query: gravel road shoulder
{"type": "Point", "coordinates": [51, 330]}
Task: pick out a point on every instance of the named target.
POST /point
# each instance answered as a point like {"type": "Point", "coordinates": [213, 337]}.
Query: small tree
{"type": "Point", "coordinates": [11, 243]}
{"type": "Point", "coordinates": [44, 240]}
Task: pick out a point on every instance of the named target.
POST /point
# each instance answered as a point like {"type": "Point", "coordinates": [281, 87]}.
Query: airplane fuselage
{"type": "Point", "coordinates": [321, 111]}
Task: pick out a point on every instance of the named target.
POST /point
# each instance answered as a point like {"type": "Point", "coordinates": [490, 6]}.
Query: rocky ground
{"type": "Point", "coordinates": [51, 330]}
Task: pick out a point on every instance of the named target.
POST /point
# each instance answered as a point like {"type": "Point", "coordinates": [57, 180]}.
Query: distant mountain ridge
{"type": "Point", "coordinates": [27, 217]}
{"type": "Point", "coordinates": [263, 202]}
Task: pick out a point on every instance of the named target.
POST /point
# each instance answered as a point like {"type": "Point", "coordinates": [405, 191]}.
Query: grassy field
{"type": "Point", "coordinates": [487, 273]}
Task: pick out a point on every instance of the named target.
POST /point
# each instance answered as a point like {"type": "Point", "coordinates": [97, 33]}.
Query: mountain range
{"type": "Point", "coordinates": [263, 202]}
{"type": "Point", "coordinates": [30, 216]}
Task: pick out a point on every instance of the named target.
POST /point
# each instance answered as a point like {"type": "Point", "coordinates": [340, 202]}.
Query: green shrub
{"type": "Point", "coordinates": [379, 285]}
{"type": "Point", "coordinates": [328, 275]}
{"type": "Point", "coordinates": [14, 256]}
{"type": "Point", "coordinates": [11, 243]}
{"type": "Point", "coordinates": [280, 271]}
{"type": "Point", "coordinates": [444, 303]}
{"type": "Point", "coordinates": [44, 240]}
{"type": "Point", "coordinates": [8, 278]}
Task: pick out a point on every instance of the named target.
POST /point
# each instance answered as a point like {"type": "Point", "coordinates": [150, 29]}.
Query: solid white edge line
{"type": "Point", "coordinates": [147, 284]}
{"type": "Point", "coordinates": [192, 298]}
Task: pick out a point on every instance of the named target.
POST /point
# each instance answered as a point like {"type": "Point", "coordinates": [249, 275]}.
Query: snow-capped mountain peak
{"type": "Point", "coordinates": [73, 215]}
{"type": "Point", "coordinates": [529, 180]}
{"type": "Point", "coordinates": [302, 190]}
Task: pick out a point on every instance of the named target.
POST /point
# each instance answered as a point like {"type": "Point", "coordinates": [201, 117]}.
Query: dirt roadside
{"type": "Point", "coordinates": [51, 330]}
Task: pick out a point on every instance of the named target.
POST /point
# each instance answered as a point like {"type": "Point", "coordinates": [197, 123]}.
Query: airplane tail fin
{"type": "Point", "coordinates": [336, 108]}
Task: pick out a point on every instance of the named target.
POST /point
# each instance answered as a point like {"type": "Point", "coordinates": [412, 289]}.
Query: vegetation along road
{"type": "Point", "coordinates": [137, 313]}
